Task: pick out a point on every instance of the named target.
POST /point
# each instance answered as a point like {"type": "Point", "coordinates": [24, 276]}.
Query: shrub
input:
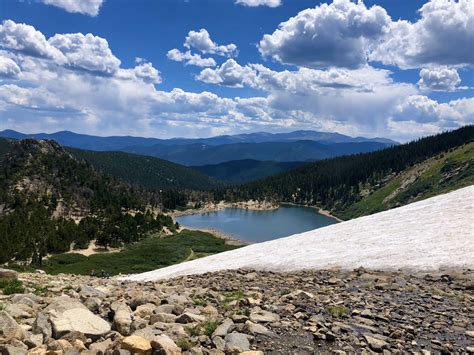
{"type": "Point", "coordinates": [10, 286]}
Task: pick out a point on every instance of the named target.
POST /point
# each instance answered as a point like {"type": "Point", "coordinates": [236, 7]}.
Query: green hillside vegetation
{"type": "Point", "coordinates": [360, 184]}
{"type": "Point", "coordinates": [441, 174]}
{"type": "Point", "coordinates": [43, 189]}
{"type": "Point", "coordinates": [240, 171]}
{"type": "Point", "coordinates": [151, 253]}
{"type": "Point", "coordinates": [146, 171]}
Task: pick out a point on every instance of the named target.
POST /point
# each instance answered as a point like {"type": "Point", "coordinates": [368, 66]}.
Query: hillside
{"type": "Point", "coordinates": [44, 190]}
{"type": "Point", "coordinates": [240, 171]}
{"type": "Point", "coordinates": [356, 185]}
{"type": "Point", "coordinates": [201, 154]}
{"type": "Point", "coordinates": [146, 171]}
{"type": "Point", "coordinates": [425, 235]}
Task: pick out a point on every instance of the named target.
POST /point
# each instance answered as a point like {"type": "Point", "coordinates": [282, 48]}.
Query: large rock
{"type": "Point", "coordinates": [81, 320]}
{"type": "Point", "coordinates": [122, 317]}
{"type": "Point", "coordinates": [254, 328]}
{"type": "Point", "coordinates": [225, 327]}
{"type": "Point", "coordinates": [261, 316]}
{"type": "Point", "coordinates": [9, 328]}
{"type": "Point", "coordinates": [89, 291]}
{"type": "Point", "coordinates": [375, 343]}
{"type": "Point", "coordinates": [12, 350]}
{"type": "Point", "coordinates": [63, 303]}
{"type": "Point", "coordinates": [8, 274]}
{"type": "Point", "coordinates": [164, 345]}
{"type": "Point", "coordinates": [236, 343]}
{"type": "Point", "coordinates": [136, 345]}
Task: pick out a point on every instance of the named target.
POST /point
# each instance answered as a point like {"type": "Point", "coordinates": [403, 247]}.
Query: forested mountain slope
{"type": "Point", "coordinates": [43, 189]}
{"type": "Point", "coordinates": [241, 171]}
{"type": "Point", "coordinates": [146, 171]}
{"type": "Point", "coordinates": [356, 185]}
{"type": "Point", "coordinates": [202, 154]}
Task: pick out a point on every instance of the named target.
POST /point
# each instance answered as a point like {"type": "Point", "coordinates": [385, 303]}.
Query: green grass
{"type": "Point", "coordinates": [338, 310]}
{"type": "Point", "coordinates": [11, 286]}
{"type": "Point", "coordinates": [149, 254]}
{"type": "Point", "coordinates": [204, 328]}
{"type": "Point", "coordinates": [184, 344]}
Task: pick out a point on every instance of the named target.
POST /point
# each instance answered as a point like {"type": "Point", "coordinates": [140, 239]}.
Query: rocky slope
{"type": "Point", "coordinates": [234, 312]}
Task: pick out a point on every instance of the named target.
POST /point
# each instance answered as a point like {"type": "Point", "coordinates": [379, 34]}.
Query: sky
{"type": "Point", "coordinates": [199, 68]}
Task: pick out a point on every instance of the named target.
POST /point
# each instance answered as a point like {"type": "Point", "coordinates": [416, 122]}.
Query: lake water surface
{"type": "Point", "coordinates": [258, 226]}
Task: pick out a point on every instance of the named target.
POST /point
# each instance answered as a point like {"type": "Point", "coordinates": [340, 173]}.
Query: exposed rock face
{"type": "Point", "coordinates": [243, 312]}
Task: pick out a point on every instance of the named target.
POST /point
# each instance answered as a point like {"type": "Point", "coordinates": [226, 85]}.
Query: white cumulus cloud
{"type": "Point", "coordinates": [86, 52]}
{"type": "Point", "coordinates": [201, 40]}
{"type": "Point", "coordinates": [88, 7]}
{"type": "Point", "coordinates": [442, 36]}
{"type": "Point", "coordinates": [25, 38]}
{"type": "Point", "coordinates": [339, 34]}
{"type": "Point", "coordinates": [190, 59]}
{"type": "Point", "coordinates": [439, 79]}
{"type": "Point", "coordinates": [8, 68]}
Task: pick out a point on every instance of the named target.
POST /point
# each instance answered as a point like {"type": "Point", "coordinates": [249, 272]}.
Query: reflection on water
{"type": "Point", "coordinates": [259, 226]}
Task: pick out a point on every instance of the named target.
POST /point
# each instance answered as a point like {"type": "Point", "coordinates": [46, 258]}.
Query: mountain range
{"type": "Point", "coordinates": [280, 147]}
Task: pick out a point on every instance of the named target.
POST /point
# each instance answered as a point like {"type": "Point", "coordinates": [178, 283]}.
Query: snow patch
{"type": "Point", "coordinates": [428, 235]}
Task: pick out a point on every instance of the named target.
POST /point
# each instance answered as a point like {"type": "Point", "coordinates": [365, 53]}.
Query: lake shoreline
{"type": "Point", "coordinates": [214, 207]}
{"type": "Point", "coordinates": [229, 239]}
{"type": "Point", "coordinates": [319, 210]}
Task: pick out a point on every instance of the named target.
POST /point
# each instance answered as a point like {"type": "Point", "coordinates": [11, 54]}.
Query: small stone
{"type": "Point", "coordinates": [190, 318]}
{"type": "Point", "coordinates": [163, 317]}
{"type": "Point", "coordinates": [136, 345]}
{"type": "Point", "coordinates": [101, 347]}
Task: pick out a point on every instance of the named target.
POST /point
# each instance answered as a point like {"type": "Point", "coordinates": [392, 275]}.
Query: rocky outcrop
{"type": "Point", "coordinates": [243, 312]}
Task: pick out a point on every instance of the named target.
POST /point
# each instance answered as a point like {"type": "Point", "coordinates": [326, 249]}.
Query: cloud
{"type": "Point", "coordinates": [442, 36]}
{"type": "Point", "coordinates": [190, 59]}
{"type": "Point", "coordinates": [86, 90]}
{"type": "Point", "coordinates": [87, 52]}
{"type": "Point", "coordinates": [143, 71]}
{"type": "Point", "coordinates": [257, 76]}
{"type": "Point", "coordinates": [439, 79]}
{"type": "Point", "coordinates": [202, 42]}
{"type": "Point", "coordinates": [87, 7]}
{"type": "Point", "coordinates": [8, 68]}
{"type": "Point", "coordinates": [26, 39]}
{"type": "Point", "coordinates": [339, 34]}
{"type": "Point", "coordinates": [229, 74]}
{"type": "Point", "coordinates": [419, 108]}
{"type": "Point", "coordinates": [348, 34]}
{"type": "Point", "coordinates": [253, 3]}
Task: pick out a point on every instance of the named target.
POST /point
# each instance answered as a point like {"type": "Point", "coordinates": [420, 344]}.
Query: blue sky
{"type": "Point", "coordinates": [348, 67]}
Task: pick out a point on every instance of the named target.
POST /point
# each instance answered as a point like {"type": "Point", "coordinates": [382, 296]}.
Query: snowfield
{"type": "Point", "coordinates": [426, 235]}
